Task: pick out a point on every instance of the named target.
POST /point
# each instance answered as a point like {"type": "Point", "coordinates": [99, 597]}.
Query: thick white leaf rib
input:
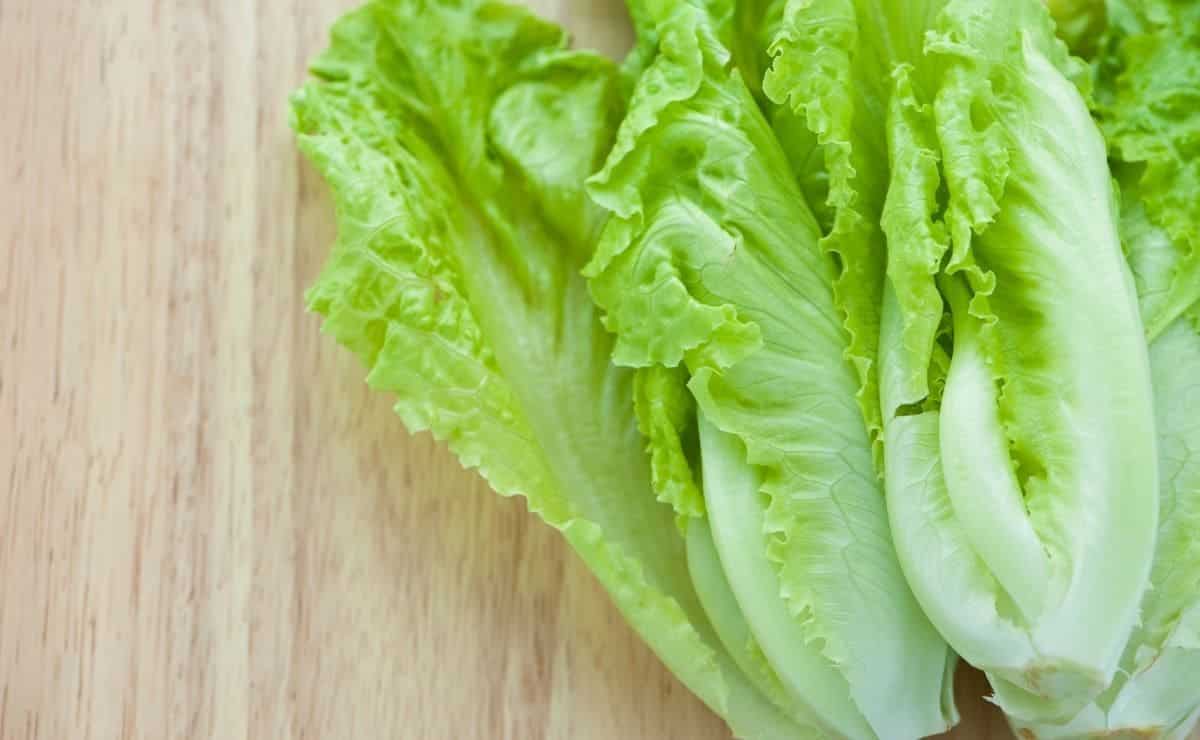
{"type": "Point", "coordinates": [1155, 692]}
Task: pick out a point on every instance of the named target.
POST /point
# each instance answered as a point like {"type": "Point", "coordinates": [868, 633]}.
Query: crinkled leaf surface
{"type": "Point", "coordinates": [456, 138]}
{"type": "Point", "coordinates": [712, 261]}
{"type": "Point", "coordinates": [1148, 104]}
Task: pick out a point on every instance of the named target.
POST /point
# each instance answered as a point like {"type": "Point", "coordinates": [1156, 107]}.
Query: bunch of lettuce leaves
{"type": "Point", "coordinates": [1145, 70]}
{"type": "Point", "coordinates": [817, 327]}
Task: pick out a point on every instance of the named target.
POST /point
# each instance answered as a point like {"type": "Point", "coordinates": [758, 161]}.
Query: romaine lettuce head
{"type": "Point", "coordinates": [836, 360]}
{"type": "Point", "coordinates": [1045, 431]}
{"type": "Point", "coordinates": [711, 272]}
{"type": "Point", "coordinates": [1013, 375]}
{"type": "Point", "coordinates": [456, 137]}
{"type": "Point", "coordinates": [1147, 87]}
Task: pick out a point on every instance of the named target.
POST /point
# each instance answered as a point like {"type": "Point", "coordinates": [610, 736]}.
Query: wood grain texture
{"type": "Point", "coordinates": [210, 528]}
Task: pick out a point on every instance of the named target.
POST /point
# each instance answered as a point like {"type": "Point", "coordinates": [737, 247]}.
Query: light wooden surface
{"type": "Point", "coordinates": [210, 529]}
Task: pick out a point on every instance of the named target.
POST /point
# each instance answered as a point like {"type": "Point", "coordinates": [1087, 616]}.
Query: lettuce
{"type": "Point", "coordinates": [456, 137]}
{"type": "Point", "coordinates": [1155, 693]}
{"type": "Point", "coordinates": [989, 383]}
{"type": "Point", "coordinates": [710, 269]}
{"type": "Point", "coordinates": [838, 337]}
{"type": "Point", "coordinates": [1148, 105]}
{"type": "Point", "coordinates": [1047, 457]}
{"type": "Point", "coordinates": [1080, 23]}
{"type": "Point", "coordinates": [1013, 518]}
{"type": "Point", "coordinates": [1147, 71]}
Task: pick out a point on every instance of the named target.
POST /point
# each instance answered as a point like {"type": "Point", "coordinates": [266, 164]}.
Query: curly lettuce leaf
{"type": "Point", "coordinates": [1148, 105]}
{"type": "Point", "coordinates": [666, 415]}
{"type": "Point", "coordinates": [827, 72]}
{"type": "Point", "coordinates": [667, 418]}
{"type": "Point", "coordinates": [711, 260]}
{"type": "Point", "coordinates": [456, 137]}
{"type": "Point", "coordinates": [840, 67]}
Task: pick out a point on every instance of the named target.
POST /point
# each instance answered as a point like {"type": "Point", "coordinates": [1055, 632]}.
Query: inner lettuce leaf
{"type": "Point", "coordinates": [667, 418]}
{"type": "Point", "coordinates": [1155, 694]}
{"type": "Point", "coordinates": [456, 137]}
{"type": "Point", "coordinates": [1018, 435]}
{"type": "Point", "coordinates": [830, 87]}
{"type": "Point", "coordinates": [841, 68]}
{"type": "Point", "coordinates": [711, 267]}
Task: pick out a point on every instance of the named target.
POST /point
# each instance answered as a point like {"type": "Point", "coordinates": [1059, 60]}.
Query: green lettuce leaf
{"type": "Point", "coordinates": [711, 262]}
{"type": "Point", "coordinates": [1155, 693]}
{"type": "Point", "coordinates": [1148, 105]}
{"type": "Point", "coordinates": [667, 418]}
{"type": "Point", "coordinates": [827, 73]}
{"type": "Point", "coordinates": [755, 23]}
{"type": "Point", "coordinates": [721, 605]}
{"type": "Point", "coordinates": [1080, 23]}
{"type": "Point", "coordinates": [456, 137]}
{"type": "Point", "coordinates": [1012, 517]}
{"type": "Point", "coordinates": [841, 67]}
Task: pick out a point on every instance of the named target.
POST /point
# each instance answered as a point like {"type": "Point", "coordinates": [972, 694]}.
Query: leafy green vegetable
{"type": "Point", "coordinates": [820, 74]}
{"type": "Point", "coordinates": [1155, 694]}
{"type": "Point", "coordinates": [1080, 23]}
{"type": "Point", "coordinates": [711, 262]}
{"type": "Point", "coordinates": [456, 137]}
{"type": "Point", "coordinates": [1148, 94]}
{"type": "Point", "coordinates": [811, 329]}
{"type": "Point", "coordinates": [1046, 422]}
{"type": "Point", "coordinates": [1147, 69]}
{"type": "Point", "coordinates": [667, 418]}
{"type": "Point", "coordinates": [1019, 438]}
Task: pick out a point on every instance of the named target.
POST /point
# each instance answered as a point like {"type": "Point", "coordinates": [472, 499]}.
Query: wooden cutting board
{"type": "Point", "coordinates": [210, 528]}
